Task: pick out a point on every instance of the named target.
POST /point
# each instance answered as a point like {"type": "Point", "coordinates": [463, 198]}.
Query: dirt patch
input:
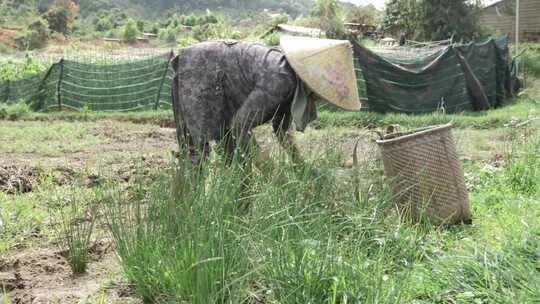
{"type": "Point", "coordinates": [122, 144]}
{"type": "Point", "coordinates": [7, 36]}
{"type": "Point", "coordinates": [17, 179]}
{"type": "Point", "coordinates": [151, 135]}
{"type": "Point", "coordinates": [43, 276]}
{"type": "Point", "coordinates": [24, 179]}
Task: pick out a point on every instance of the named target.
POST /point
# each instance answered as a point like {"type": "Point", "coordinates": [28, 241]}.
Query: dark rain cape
{"type": "Point", "coordinates": [219, 86]}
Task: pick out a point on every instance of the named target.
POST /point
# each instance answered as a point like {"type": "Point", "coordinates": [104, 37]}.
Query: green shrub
{"type": "Point", "coordinates": [169, 35]}
{"type": "Point", "coordinates": [129, 31]}
{"type": "Point", "coordinates": [186, 41]}
{"type": "Point", "coordinates": [18, 70]}
{"type": "Point", "coordinates": [329, 16]}
{"type": "Point", "coordinates": [141, 25]}
{"type": "Point", "coordinates": [272, 39]}
{"type": "Point", "coordinates": [35, 37]}
{"type": "Point", "coordinates": [15, 111]}
{"type": "Point", "coordinates": [530, 62]}
{"type": "Point", "coordinates": [155, 28]}
{"type": "Point", "coordinates": [190, 20]}
{"type": "Point", "coordinates": [220, 30]}
{"type": "Point", "coordinates": [61, 16]}
{"type": "Point", "coordinates": [104, 25]}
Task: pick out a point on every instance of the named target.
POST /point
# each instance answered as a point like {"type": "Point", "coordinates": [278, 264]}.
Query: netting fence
{"type": "Point", "coordinates": [453, 78]}
{"type": "Point", "coordinates": [131, 85]}
{"type": "Point", "coordinates": [21, 89]}
{"type": "Point", "coordinates": [423, 79]}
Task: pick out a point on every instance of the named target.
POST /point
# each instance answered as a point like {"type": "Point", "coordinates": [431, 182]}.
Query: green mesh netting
{"type": "Point", "coordinates": [131, 86]}
{"type": "Point", "coordinates": [121, 87]}
{"type": "Point", "coordinates": [455, 78]}
{"type": "Point", "coordinates": [21, 89]}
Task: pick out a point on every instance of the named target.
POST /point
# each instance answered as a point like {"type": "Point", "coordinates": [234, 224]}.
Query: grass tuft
{"type": "Point", "coordinates": [74, 222]}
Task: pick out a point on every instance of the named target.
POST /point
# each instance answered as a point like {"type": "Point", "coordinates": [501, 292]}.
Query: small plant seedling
{"type": "Point", "coordinates": [74, 223]}
{"type": "Point", "coordinates": [4, 299]}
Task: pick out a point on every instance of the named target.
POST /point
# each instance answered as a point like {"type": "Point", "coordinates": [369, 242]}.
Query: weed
{"type": "Point", "coordinates": [522, 172]}
{"type": "Point", "coordinates": [530, 59]}
{"type": "Point", "coordinates": [57, 139]}
{"type": "Point", "coordinates": [305, 238]}
{"type": "Point", "coordinates": [4, 298]}
{"type": "Point", "coordinates": [85, 112]}
{"type": "Point", "coordinates": [16, 111]}
{"type": "Point", "coordinates": [75, 221]}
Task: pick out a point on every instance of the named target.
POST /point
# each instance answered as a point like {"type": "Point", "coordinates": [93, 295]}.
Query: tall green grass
{"type": "Point", "coordinates": [178, 238]}
{"type": "Point", "coordinates": [286, 233]}
{"type": "Point", "coordinates": [520, 109]}
{"type": "Point", "coordinates": [498, 262]}
{"type": "Point", "coordinates": [530, 59]}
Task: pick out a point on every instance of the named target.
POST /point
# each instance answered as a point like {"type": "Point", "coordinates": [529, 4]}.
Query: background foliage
{"type": "Point", "coordinates": [430, 20]}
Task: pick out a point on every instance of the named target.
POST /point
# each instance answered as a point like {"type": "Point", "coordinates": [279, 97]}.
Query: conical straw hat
{"type": "Point", "coordinates": [326, 67]}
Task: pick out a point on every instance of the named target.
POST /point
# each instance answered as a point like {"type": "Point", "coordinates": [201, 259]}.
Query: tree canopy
{"type": "Point", "coordinates": [434, 19]}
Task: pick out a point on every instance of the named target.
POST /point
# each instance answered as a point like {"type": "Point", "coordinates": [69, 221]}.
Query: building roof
{"type": "Point", "coordinates": [494, 4]}
{"type": "Point", "coordinates": [314, 32]}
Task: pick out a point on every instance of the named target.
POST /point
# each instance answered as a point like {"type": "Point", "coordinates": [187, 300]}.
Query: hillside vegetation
{"type": "Point", "coordinates": [157, 8]}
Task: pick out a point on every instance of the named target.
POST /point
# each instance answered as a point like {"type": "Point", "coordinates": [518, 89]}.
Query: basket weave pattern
{"type": "Point", "coordinates": [426, 175]}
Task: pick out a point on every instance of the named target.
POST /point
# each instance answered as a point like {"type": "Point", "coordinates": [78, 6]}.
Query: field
{"type": "Point", "coordinates": [321, 232]}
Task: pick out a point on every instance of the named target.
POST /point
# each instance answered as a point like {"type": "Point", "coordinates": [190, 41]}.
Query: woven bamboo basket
{"type": "Point", "coordinates": [425, 174]}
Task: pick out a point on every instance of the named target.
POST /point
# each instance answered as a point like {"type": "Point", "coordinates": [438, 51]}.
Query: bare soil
{"type": "Point", "coordinates": [125, 152]}
{"type": "Point", "coordinates": [127, 142]}
{"type": "Point", "coordinates": [17, 179]}
{"type": "Point", "coordinates": [7, 36]}
{"type": "Point", "coordinates": [42, 276]}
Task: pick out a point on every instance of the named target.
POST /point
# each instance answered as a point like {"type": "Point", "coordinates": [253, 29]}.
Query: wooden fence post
{"type": "Point", "coordinates": [171, 55]}
{"type": "Point", "coordinates": [59, 85]}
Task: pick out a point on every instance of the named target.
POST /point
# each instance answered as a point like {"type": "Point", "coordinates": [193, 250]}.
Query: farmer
{"type": "Point", "coordinates": [222, 90]}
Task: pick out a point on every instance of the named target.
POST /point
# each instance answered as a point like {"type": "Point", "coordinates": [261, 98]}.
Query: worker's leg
{"type": "Point", "coordinates": [256, 110]}
{"type": "Point", "coordinates": [281, 124]}
{"type": "Point", "coordinates": [199, 154]}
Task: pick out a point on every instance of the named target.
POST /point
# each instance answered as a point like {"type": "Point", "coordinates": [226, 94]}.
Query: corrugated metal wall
{"type": "Point", "coordinates": [494, 17]}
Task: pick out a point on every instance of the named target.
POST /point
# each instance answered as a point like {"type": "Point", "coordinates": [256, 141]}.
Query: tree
{"type": "Point", "coordinates": [329, 14]}
{"type": "Point", "coordinates": [61, 16]}
{"type": "Point", "coordinates": [367, 14]}
{"type": "Point", "coordinates": [103, 24]}
{"type": "Point", "coordinates": [403, 15]}
{"type": "Point", "coordinates": [35, 37]}
{"type": "Point", "coordinates": [444, 19]}
{"type": "Point", "coordinates": [433, 19]}
{"type": "Point", "coordinates": [129, 31]}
